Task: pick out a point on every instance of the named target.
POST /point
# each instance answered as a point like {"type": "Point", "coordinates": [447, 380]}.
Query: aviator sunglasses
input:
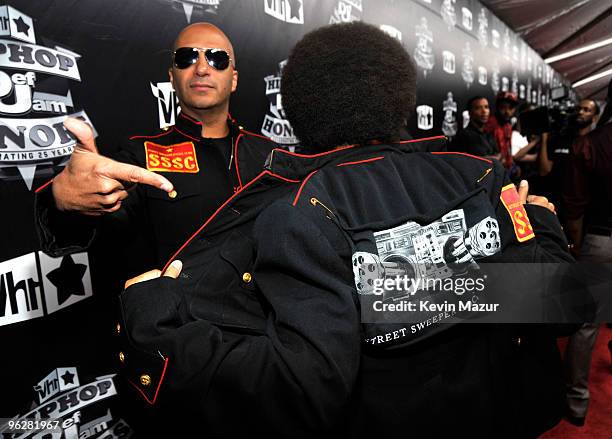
{"type": "Point", "coordinates": [218, 59]}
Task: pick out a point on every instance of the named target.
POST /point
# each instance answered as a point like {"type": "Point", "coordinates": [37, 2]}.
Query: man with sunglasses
{"type": "Point", "coordinates": [185, 172]}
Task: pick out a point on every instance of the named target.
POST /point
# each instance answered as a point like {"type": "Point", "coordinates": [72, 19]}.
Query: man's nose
{"type": "Point", "coordinates": [201, 65]}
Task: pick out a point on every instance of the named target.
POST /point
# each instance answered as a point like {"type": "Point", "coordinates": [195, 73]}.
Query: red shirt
{"type": "Point", "coordinates": [503, 135]}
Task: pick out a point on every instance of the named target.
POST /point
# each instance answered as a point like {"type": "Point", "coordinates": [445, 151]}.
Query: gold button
{"type": "Point", "coordinates": [165, 128]}
{"type": "Point", "coordinates": [118, 328]}
{"type": "Point", "coordinates": [246, 277]}
{"type": "Point", "coordinates": [122, 357]}
{"type": "Point", "coordinates": [172, 194]}
{"type": "Point", "coordinates": [145, 380]}
{"type": "Point", "coordinates": [518, 341]}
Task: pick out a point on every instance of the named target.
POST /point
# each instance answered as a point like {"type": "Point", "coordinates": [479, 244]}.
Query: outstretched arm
{"type": "Point", "coordinates": [93, 184]}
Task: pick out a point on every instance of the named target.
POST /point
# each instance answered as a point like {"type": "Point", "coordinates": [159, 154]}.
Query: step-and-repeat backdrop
{"type": "Point", "coordinates": [107, 61]}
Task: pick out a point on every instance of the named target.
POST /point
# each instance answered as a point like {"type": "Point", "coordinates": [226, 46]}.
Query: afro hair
{"type": "Point", "coordinates": [348, 84]}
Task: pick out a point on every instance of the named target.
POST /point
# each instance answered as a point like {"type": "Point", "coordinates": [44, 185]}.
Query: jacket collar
{"type": "Point", "coordinates": [297, 166]}
{"type": "Point", "coordinates": [193, 128]}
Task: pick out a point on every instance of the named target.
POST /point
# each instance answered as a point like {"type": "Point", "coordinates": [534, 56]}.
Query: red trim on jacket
{"type": "Point", "coordinates": [189, 118]}
{"type": "Point", "coordinates": [187, 135]}
{"type": "Point", "coordinates": [155, 136]}
{"type": "Point", "coordinates": [161, 379]}
{"type": "Point", "coordinates": [299, 193]}
{"type": "Point", "coordinates": [297, 197]}
{"type": "Point", "coordinates": [236, 159]}
{"type": "Point", "coordinates": [373, 159]}
{"type": "Point", "coordinates": [342, 148]}
{"type": "Point", "coordinates": [295, 154]}
{"type": "Point", "coordinates": [220, 208]}
{"type": "Point", "coordinates": [423, 139]}
{"type": "Point", "coordinates": [43, 186]}
{"type": "Point", "coordinates": [257, 135]}
{"type": "Point", "coordinates": [463, 153]}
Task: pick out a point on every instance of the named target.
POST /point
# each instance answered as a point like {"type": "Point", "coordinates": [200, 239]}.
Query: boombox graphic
{"type": "Point", "coordinates": [417, 253]}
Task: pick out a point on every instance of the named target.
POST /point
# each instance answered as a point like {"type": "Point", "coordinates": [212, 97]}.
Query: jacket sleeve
{"type": "Point", "coordinates": [294, 378]}
{"type": "Point", "coordinates": [546, 243]}
{"type": "Point", "coordinates": [62, 233]}
{"type": "Point", "coordinates": [533, 266]}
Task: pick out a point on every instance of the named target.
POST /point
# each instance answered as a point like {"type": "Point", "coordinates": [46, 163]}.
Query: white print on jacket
{"type": "Point", "coordinates": [434, 251]}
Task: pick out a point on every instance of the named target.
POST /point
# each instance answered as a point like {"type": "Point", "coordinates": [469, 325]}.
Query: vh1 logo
{"type": "Point", "coordinates": [34, 285]}
{"type": "Point", "coordinates": [167, 103]}
{"type": "Point", "coordinates": [61, 379]}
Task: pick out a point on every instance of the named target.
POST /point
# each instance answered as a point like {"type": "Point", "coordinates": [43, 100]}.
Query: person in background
{"type": "Point", "coordinates": [587, 196]}
{"type": "Point", "coordinates": [524, 149]}
{"type": "Point", "coordinates": [500, 125]}
{"type": "Point", "coordinates": [473, 139]}
{"type": "Point", "coordinates": [552, 161]}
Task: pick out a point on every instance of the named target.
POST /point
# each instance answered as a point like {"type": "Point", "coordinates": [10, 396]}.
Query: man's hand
{"type": "Point", "coordinates": [93, 184]}
{"type": "Point", "coordinates": [534, 199]}
{"type": "Point", "coordinates": [173, 271]}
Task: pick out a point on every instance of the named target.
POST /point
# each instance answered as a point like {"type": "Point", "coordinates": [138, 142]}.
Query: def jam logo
{"type": "Point", "coordinates": [275, 126]}
{"type": "Point", "coordinates": [290, 11]}
{"type": "Point", "coordinates": [35, 285]}
{"type": "Point", "coordinates": [29, 90]}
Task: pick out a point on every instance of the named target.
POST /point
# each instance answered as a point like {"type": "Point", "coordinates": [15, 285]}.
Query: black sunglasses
{"type": "Point", "coordinates": [184, 57]}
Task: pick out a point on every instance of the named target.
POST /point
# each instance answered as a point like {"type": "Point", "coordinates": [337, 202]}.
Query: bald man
{"type": "Point", "coordinates": [183, 174]}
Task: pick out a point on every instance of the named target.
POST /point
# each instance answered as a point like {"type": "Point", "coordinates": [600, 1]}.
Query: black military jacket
{"type": "Point", "coordinates": [261, 331]}
{"type": "Point", "coordinates": [204, 172]}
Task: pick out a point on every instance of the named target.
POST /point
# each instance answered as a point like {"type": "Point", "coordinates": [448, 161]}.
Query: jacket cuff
{"type": "Point", "coordinates": [546, 227]}
{"type": "Point", "coordinates": [61, 233]}
{"type": "Point", "coordinates": [146, 310]}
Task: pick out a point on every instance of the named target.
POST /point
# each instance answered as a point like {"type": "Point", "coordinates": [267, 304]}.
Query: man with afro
{"type": "Point", "coordinates": [261, 332]}
{"type": "Point", "coordinates": [352, 84]}
{"type": "Point", "coordinates": [351, 92]}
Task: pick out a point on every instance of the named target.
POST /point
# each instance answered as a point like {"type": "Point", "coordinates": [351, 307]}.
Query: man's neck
{"type": "Point", "coordinates": [501, 121]}
{"type": "Point", "coordinates": [477, 126]}
{"type": "Point", "coordinates": [584, 130]}
{"type": "Point", "coordinates": [214, 123]}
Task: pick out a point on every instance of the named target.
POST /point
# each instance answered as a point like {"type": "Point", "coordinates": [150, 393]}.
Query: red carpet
{"type": "Point", "coordinates": [599, 419]}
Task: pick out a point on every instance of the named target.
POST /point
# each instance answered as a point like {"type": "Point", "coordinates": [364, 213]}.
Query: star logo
{"type": "Point", "coordinates": [22, 26]}
{"type": "Point", "coordinates": [68, 377]}
{"type": "Point", "coordinates": [68, 279]}
{"type": "Point", "coordinates": [295, 5]}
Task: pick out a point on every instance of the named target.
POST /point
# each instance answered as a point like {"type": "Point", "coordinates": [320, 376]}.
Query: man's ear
{"type": "Point", "coordinates": [170, 76]}
{"type": "Point", "coordinates": [234, 80]}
